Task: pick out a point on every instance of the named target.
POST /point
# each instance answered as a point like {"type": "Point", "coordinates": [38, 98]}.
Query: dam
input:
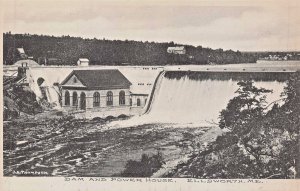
{"type": "Point", "coordinates": [195, 95]}
{"type": "Point", "coordinates": [181, 113]}
{"type": "Point", "coordinates": [179, 94]}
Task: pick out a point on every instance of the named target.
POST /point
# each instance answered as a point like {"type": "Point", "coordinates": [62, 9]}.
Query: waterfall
{"type": "Point", "coordinates": [198, 97]}
{"type": "Point", "coordinates": [33, 84]}
{"type": "Point", "coordinates": [52, 94]}
{"type": "Point", "coordinates": [199, 101]}
{"type": "Point", "coordinates": [52, 97]}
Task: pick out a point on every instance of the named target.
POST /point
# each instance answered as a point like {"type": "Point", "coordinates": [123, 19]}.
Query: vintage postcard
{"type": "Point", "coordinates": [150, 95]}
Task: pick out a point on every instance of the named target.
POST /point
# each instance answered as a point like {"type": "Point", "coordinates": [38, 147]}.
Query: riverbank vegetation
{"type": "Point", "coordinates": [21, 99]}
{"type": "Point", "coordinates": [259, 142]}
{"type": "Point", "coordinates": [145, 167]}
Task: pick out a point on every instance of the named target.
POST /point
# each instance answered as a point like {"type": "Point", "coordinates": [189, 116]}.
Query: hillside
{"type": "Point", "coordinates": [66, 50]}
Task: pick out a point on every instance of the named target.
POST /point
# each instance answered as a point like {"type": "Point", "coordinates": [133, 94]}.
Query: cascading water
{"type": "Point", "coordinates": [189, 101]}
{"type": "Point", "coordinates": [193, 101]}
{"type": "Point", "coordinates": [51, 93]}
{"type": "Point", "coordinates": [52, 97]}
{"type": "Point", "coordinates": [198, 97]}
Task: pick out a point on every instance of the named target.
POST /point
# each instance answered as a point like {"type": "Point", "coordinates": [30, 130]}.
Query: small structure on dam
{"type": "Point", "coordinates": [83, 62]}
{"type": "Point", "coordinates": [96, 93]}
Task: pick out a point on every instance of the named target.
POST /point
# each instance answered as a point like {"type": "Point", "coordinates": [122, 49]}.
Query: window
{"type": "Point", "coordinates": [40, 81]}
{"type": "Point", "coordinates": [75, 99]}
{"type": "Point", "coordinates": [109, 98]}
{"type": "Point", "coordinates": [145, 101]}
{"type": "Point", "coordinates": [75, 80]}
{"type": "Point", "coordinates": [122, 98]}
{"type": "Point", "coordinates": [130, 101]}
{"type": "Point", "coordinates": [96, 102]}
{"type": "Point", "coordinates": [138, 102]}
{"type": "Point", "coordinates": [82, 101]}
{"type": "Point", "coordinates": [67, 98]}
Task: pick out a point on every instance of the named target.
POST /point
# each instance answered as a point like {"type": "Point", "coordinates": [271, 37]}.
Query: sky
{"type": "Point", "coordinates": [265, 25]}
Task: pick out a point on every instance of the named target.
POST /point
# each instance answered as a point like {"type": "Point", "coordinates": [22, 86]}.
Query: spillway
{"type": "Point", "coordinates": [198, 97]}
{"type": "Point", "coordinates": [187, 97]}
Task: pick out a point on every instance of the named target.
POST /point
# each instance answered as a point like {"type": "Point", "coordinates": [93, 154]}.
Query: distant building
{"type": "Point", "coordinates": [176, 50]}
{"type": "Point", "coordinates": [97, 93]}
{"type": "Point", "coordinates": [83, 62]}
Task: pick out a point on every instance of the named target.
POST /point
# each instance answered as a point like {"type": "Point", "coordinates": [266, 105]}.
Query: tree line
{"type": "Point", "coordinates": [66, 50]}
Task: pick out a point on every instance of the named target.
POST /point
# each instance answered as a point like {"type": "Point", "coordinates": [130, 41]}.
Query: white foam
{"type": "Point", "coordinates": [189, 103]}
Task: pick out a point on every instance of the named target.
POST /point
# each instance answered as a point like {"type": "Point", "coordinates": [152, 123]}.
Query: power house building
{"type": "Point", "coordinates": [96, 93]}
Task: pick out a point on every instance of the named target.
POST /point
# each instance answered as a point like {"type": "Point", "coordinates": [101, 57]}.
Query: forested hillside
{"type": "Point", "coordinates": [66, 50]}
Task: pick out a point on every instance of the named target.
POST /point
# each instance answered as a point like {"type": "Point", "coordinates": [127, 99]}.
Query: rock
{"type": "Point", "coordinates": [183, 176]}
{"type": "Point", "coordinates": [22, 143]}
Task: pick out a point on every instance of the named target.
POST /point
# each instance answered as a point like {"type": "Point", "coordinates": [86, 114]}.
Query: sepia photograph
{"type": "Point", "coordinates": [150, 92]}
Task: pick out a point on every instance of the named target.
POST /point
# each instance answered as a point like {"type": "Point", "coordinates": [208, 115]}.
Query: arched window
{"type": "Point", "coordinates": [138, 102]}
{"type": "Point", "coordinates": [109, 98]}
{"type": "Point", "coordinates": [82, 101]}
{"type": "Point", "coordinates": [75, 99]}
{"type": "Point", "coordinates": [96, 102]}
{"type": "Point", "coordinates": [40, 81]}
{"type": "Point", "coordinates": [122, 98]}
{"type": "Point", "coordinates": [67, 98]}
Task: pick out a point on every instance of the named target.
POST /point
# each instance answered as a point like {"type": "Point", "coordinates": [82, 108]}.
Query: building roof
{"type": "Point", "coordinates": [83, 59]}
{"type": "Point", "coordinates": [176, 48]}
{"type": "Point", "coordinates": [100, 79]}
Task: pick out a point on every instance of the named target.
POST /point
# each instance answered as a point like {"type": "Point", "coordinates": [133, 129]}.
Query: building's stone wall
{"type": "Point", "coordinates": [89, 98]}
{"type": "Point", "coordinates": [143, 99]}
{"type": "Point", "coordinates": [102, 111]}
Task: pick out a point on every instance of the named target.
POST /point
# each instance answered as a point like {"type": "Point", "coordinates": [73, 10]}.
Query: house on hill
{"type": "Point", "coordinates": [176, 50]}
{"type": "Point", "coordinates": [96, 93]}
